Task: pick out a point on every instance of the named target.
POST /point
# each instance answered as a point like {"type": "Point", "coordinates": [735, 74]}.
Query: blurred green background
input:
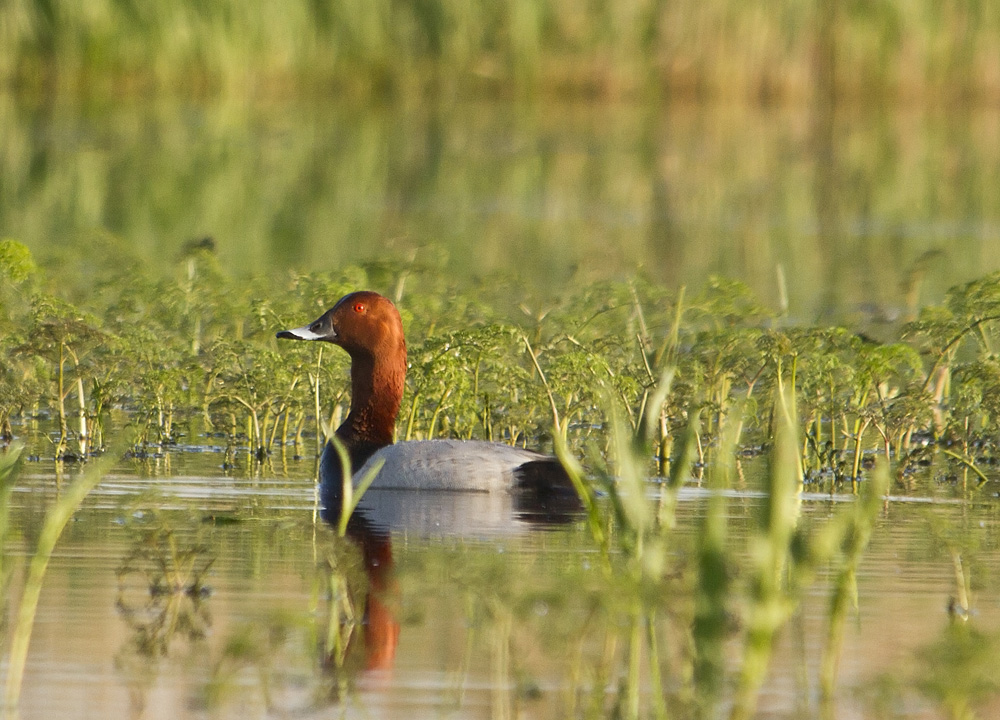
{"type": "Point", "coordinates": [842, 156]}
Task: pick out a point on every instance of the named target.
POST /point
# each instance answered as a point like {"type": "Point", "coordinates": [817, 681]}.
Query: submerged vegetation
{"type": "Point", "coordinates": [190, 360]}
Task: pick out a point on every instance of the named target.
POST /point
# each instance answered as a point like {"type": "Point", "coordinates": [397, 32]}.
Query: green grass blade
{"type": "Point", "coordinates": [55, 521]}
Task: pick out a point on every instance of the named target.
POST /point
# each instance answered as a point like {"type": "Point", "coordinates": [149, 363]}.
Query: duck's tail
{"type": "Point", "coordinates": [542, 488]}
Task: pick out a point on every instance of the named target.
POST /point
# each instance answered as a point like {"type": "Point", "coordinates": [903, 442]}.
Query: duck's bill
{"type": "Point", "coordinates": [302, 333]}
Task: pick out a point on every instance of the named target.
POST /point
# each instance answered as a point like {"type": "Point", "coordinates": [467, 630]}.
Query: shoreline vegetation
{"type": "Point", "coordinates": [891, 51]}
{"type": "Point", "coordinates": [190, 356]}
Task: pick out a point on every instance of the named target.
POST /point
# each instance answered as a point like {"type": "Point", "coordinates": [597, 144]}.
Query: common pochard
{"type": "Point", "coordinates": [367, 325]}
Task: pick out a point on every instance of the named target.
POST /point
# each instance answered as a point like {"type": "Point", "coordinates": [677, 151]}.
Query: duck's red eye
{"type": "Point", "coordinates": [359, 307]}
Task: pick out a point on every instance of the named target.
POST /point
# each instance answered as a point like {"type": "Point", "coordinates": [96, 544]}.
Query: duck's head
{"type": "Point", "coordinates": [363, 323]}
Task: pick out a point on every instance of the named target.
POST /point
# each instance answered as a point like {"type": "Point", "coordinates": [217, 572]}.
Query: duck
{"type": "Point", "coordinates": [368, 327]}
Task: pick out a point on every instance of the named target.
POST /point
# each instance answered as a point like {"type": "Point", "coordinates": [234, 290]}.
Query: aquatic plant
{"type": "Point", "coordinates": [711, 621]}
{"type": "Point", "coordinates": [191, 354]}
{"type": "Point", "coordinates": [749, 596]}
{"type": "Point", "coordinates": [959, 670]}
{"type": "Point", "coordinates": [8, 478]}
{"type": "Point", "coordinates": [56, 518]}
{"type": "Point", "coordinates": [851, 531]}
{"type": "Point", "coordinates": [65, 338]}
{"type": "Point", "coordinates": [350, 493]}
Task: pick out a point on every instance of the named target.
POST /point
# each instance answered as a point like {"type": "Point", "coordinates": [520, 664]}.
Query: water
{"type": "Point", "coordinates": [855, 214]}
{"type": "Point", "coordinates": [517, 620]}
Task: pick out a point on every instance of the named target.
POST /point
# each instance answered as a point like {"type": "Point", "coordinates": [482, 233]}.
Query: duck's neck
{"type": "Point", "coordinates": [376, 391]}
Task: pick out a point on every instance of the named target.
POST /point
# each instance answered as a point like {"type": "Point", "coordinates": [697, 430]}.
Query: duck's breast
{"type": "Point", "coordinates": [456, 465]}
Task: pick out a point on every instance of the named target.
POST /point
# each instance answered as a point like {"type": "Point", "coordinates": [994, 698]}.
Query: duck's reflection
{"type": "Point", "coordinates": [383, 514]}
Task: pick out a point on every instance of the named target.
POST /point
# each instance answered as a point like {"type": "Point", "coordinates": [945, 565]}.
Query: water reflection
{"type": "Point", "coordinates": [865, 211]}
{"type": "Point", "coordinates": [407, 620]}
{"type": "Point", "coordinates": [383, 514]}
{"type": "Point", "coordinates": [161, 599]}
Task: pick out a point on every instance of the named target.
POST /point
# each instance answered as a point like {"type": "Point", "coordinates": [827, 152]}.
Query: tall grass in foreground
{"type": "Point", "coordinates": [56, 518]}
{"type": "Point", "coordinates": [770, 548]}
{"type": "Point", "coordinates": [8, 478]}
{"type": "Point", "coordinates": [634, 534]}
{"type": "Point", "coordinates": [725, 47]}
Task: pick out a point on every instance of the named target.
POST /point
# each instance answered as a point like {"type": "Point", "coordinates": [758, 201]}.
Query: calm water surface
{"type": "Point", "coordinates": [853, 214]}
{"type": "Point", "coordinates": [510, 621]}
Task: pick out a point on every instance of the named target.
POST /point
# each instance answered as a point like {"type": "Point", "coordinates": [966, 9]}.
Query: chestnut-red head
{"type": "Point", "coordinates": [364, 323]}
{"type": "Point", "coordinates": [368, 327]}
